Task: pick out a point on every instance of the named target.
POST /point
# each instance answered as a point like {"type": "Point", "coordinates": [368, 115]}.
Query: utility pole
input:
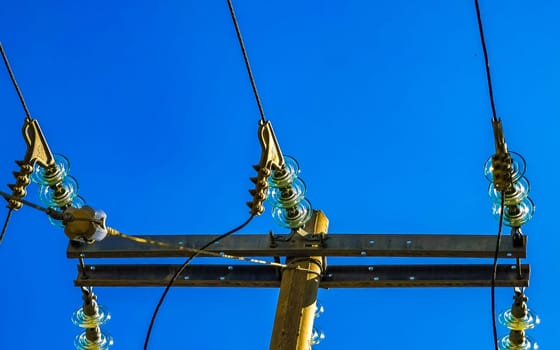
{"type": "Point", "coordinates": [305, 248]}
{"type": "Point", "coordinates": [295, 312]}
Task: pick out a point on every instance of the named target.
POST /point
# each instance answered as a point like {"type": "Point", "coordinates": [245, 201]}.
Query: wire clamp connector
{"type": "Point", "coordinates": [502, 164]}
{"type": "Point", "coordinates": [37, 152]}
{"type": "Point", "coordinates": [271, 159]}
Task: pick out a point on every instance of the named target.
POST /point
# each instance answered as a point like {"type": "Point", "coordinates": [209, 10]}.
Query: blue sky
{"type": "Point", "coordinates": [384, 104]}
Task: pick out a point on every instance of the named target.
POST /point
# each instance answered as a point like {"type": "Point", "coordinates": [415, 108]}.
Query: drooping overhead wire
{"type": "Point", "coordinates": [8, 197]}
{"type": "Point", "coordinates": [501, 220]}
{"type": "Point", "coordinates": [180, 271]}
{"type": "Point", "coordinates": [486, 61]}
{"type": "Point", "coordinates": [494, 272]}
{"type": "Point", "coordinates": [27, 119]}
{"type": "Point", "coordinates": [196, 252]}
{"type": "Point", "coordinates": [246, 59]}
{"type": "Point", "coordinates": [5, 226]}
{"type": "Point", "coordinates": [150, 241]}
{"type": "Point", "coordinates": [153, 242]}
{"type": "Point", "coordinates": [143, 240]}
{"type": "Point", "coordinates": [14, 82]}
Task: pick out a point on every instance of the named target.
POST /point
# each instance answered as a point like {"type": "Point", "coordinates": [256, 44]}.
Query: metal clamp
{"type": "Point", "coordinates": [502, 164]}
{"type": "Point", "coordinates": [38, 152]}
{"type": "Point", "coordinates": [271, 159]}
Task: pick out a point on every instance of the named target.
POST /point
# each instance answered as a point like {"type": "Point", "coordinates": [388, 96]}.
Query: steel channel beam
{"type": "Point", "coordinates": [345, 276]}
{"type": "Point", "coordinates": [358, 245]}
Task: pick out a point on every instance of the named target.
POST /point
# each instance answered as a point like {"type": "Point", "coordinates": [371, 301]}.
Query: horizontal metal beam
{"type": "Point", "coordinates": [364, 245]}
{"type": "Point", "coordinates": [346, 276]}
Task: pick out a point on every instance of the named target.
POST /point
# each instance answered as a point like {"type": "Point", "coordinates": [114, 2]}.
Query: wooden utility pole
{"type": "Point", "coordinates": [295, 311]}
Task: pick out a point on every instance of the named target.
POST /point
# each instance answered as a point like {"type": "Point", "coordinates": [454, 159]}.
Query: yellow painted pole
{"type": "Point", "coordinates": [295, 311]}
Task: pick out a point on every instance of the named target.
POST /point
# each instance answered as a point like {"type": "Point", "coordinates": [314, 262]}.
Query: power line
{"type": "Point", "coordinates": [502, 205]}
{"type": "Point", "coordinates": [181, 269]}
{"type": "Point", "coordinates": [27, 119]}
{"type": "Point", "coordinates": [246, 59]}
{"type": "Point", "coordinates": [143, 240]}
{"type": "Point", "coordinates": [14, 81]}
{"type": "Point", "coordinates": [6, 222]}
{"type": "Point", "coordinates": [494, 272]}
{"type": "Point", "coordinates": [486, 61]}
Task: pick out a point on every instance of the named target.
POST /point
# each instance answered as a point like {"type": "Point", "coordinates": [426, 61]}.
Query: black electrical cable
{"type": "Point", "coordinates": [502, 206]}
{"type": "Point", "coordinates": [14, 81]}
{"type": "Point", "coordinates": [246, 59]}
{"type": "Point", "coordinates": [49, 211]}
{"type": "Point", "coordinates": [486, 61]}
{"type": "Point", "coordinates": [27, 118]}
{"type": "Point", "coordinates": [5, 227]}
{"type": "Point", "coordinates": [181, 269]}
{"type": "Point", "coordinates": [495, 270]}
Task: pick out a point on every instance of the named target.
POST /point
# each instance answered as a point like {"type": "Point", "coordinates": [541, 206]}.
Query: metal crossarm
{"type": "Point", "coordinates": [350, 245]}
{"type": "Point", "coordinates": [344, 276]}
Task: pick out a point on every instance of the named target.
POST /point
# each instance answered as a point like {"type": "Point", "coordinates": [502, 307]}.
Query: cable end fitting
{"type": "Point", "coordinates": [271, 159]}
{"type": "Point", "coordinates": [502, 163]}
{"type": "Point", "coordinates": [499, 138]}
{"type": "Point", "coordinates": [85, 224]}
{"type": "Point", "coordinates": [271, 155]}
{"type": "Point", "coordinates": [38, 150]}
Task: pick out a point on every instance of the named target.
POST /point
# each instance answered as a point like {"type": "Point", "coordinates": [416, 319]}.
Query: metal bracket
{"type": "Point", "coordinates": [271, 159]}
{"type": "Point", "coordinates": [38, 151]}
{"type": "Point", "coordinates": [517, 237]}
{"type": "Point", "coordinates": [499, 138]}
{"type": "Point", "coordinates": [502, 163]}
{"type": "Point", "coordinates": [271, 156]}
{"type": "Point", "coordinates": [316, 228]}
